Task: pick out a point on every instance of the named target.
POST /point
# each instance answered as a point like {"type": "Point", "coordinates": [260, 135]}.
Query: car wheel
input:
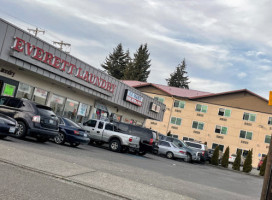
{"type": "Point", "coordinates": [2, 136]}
{"type": "Point", "coordinates": [115, 145]}
{"type": "Point", "coordinates": [41, 139]}
{"type": "Point", "coordinates": [141, 153]}
{"type": "Point", "coordinates": [188, 158]}
{"type": "Point", "coordinates": [21, 132]}
{"type": "Point", "coordinates": [60, 138]}
{"type": "Point", "coordinates": [170, 155]}
{"type": "Point", "coordinates": [74, 144]}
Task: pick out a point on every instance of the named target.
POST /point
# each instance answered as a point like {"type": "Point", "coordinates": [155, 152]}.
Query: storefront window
{"type": "Point", "coordinates": [100, 114]}
{"type": "Point", "coordinates": [83, 113]}
{"type": "Point", "coordinates": [57, 104]}
{"type": "Point", "coordinates": [8, 90]}
{"type": "Point", "coordinates": [40, 96]}
{"type": "Point", "coordinates": [24, 91]}
{"type": "Point", "coordinates": [70, 109]}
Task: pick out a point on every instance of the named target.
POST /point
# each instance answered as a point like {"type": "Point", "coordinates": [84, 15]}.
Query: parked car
{"type": "Point", "coordinates": [232, 159]}
{"type": "Point", "coordinates": [260, 163]}
{"type": "Point", "coordinates": [199, 146]}
{"type": "Point", "coordinates": [210, 154]}
{"type": "Point", "coordinates": [8, 126]}
{"type": "Point", "coordinates": [171, 151]}
{"type": "Point", "coordinates": [33, 119]}
{"type": "Point", "coordinates": [148, 138]}
{"type": "Point", "coordinates": [106, 132]}
{"type": "Point", "coordinates": [71, 132]}
{"type": "Point", "coordinates": [193, 155]}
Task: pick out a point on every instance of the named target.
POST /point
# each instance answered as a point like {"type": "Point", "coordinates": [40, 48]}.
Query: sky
{"type": "Point", "coordinates": [227, 45]}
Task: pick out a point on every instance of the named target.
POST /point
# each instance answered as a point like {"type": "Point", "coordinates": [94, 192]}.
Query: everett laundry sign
{"type": "Point", "coordinates": [39, 54]}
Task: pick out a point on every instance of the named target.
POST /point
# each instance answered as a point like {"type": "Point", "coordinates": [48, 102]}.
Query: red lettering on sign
{"type": "Point", "coordinates": [38, 54]}
{"type": "Point", "coordinates": [97, 81]}
{"type": "Point", "coordinates": [48, 58]}
{"type": "Point", "coordinates": [56, 62]}
{"type": "Point", "coordinates": [78, 75]}
{"type": "Point", "coordinates": [91, 78]}
{"type": "Point", "coordinates": [71, 69]}
{"type": "Point", "coordinates": [113, 88]}
{"type": "Point", "coordinates": [64, 65]}
{"type": "Point", "coordinates": [29, 49]}
{"type": "Point", "coordinates": [85, 76]}
{"type": "Point", "coordinates": [18, 44]}
{"type": "Point", "coordinates": [103, 83]}
{"type": "Point", "coordinates": [108, 86]}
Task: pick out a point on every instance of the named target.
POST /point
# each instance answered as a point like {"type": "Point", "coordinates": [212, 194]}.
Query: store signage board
{"type": "Point", "coordinates": [133, 98]}
{"type": "Point", "coordinates": [8, 90]}
{"type": "Point", "coordinates": [45, 57]}
{"type": "Point", "coordinates": [82, 109]}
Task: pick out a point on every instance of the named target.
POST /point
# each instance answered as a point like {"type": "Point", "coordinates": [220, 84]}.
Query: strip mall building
{"type": "Point", "coordinates": [33, 69]}
{"type": "Point", "coordinates": [239, 119]}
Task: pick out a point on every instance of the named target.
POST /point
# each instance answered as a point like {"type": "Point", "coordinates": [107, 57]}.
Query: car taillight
{"type": "Point", "coordinates": [36, 118]}
{"type": "Point", "coordinates": [76, 132]}
{"type": "Point", "coordinates": [151, 141]}
{"type": "Point", "coordinates": [130, 139]}
{"type": "Point", "coordinates": [203, 152]}
{"type": "Point", "coordinates": [183, 152]}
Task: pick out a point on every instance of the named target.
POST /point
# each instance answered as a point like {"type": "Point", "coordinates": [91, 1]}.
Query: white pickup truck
{"type": "Point", "coordinates": [106, 132]}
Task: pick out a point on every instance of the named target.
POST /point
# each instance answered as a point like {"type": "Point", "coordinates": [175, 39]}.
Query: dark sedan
{"type": "Point", "coordinates": [71, 132]}
{"type": "Point", "coordinates": [8, 126]}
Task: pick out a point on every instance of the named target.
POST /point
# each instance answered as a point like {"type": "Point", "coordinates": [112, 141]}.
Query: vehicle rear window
{"type": "Point", "coordinates": [123, 128]}
{"type": "Point", "coordinates": [45, 111]}
{"type": "Point", "coordinates": [198, 146]}
{"type": "Point", "coordinates": [110, 127]}
{"type": "Point", "coordinates": [71, 123]}
{"type": "Point", "coordinates": [14, 103]}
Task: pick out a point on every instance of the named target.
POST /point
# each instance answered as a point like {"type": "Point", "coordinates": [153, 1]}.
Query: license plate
{"type": "Point", "coordinates": [133, 145]}
{"type": "Point", "coordinates": [12, 129]}
{"type": "Point", "coordinates": [85, 134]}
{"type": "Point", "coordinates": [51, 121]}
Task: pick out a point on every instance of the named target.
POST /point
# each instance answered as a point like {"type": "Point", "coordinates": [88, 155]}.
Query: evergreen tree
{"type": "Point", "coordinates": [237, 161]}
{"type": "Point", "coordinates": [247, 167]}
{"type": "Point", "coordinates": [178, 78]}
{"type": "Point", "coordinates": [262, 169]}
{"type": "Point", "coordinates": [215, 156]}
{"type": "Point", "coordinates": [138, 69]}
{"type": "Point", "coordinates": [116, 63]}
{"type": "Point", "coordinates": [225, 158]}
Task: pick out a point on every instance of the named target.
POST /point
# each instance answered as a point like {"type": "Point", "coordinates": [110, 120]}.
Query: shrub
{"type": "Point", "coordinates": [215, 156]}
{"type": "Point", "coordinates": [237, 161]}
{"type": "Point", "coordinates": [262, 169]}
{"type": "Point", "coordinates": [225, 158]}
{"type": "Point", "coordinates": [247, 167]}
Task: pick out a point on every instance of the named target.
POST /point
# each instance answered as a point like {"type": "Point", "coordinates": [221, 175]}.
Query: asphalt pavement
{"type": "Point", "coordinates": [124, 175]}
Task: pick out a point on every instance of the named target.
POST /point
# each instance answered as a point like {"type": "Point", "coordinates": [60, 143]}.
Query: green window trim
{"type": "Point", "coordinates": [201, 108]}
{"type": "Point", "coordinates": [176, 121]}
{"type": "Point", "coordinates": [160, 99]}
{"type": "Point", "coordinates": [270, 120]}
{"type": "Point", "coordinates": [267, 139]}
{"type": "Point", "coordinates": [198, 125]}
{"type": "Point", "coordinates": [249, 117]}
{"type": "Point", "coordinates": [246, 135]}
{"type": "Point", "coordinates": [179, 104]}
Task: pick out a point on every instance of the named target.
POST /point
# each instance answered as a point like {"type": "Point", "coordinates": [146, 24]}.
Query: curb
{"type": "Point", "coordinates": [239, 172]}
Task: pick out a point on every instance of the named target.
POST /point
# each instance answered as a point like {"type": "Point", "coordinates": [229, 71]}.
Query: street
{"type": "Point", "coordinates": [56, 171]}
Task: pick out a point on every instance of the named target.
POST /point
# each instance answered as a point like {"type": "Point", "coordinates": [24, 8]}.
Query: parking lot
{"type": "Point", "coordinates": [127, 175]}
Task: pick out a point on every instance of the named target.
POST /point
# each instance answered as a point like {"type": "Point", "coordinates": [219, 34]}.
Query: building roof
{"type": "Point", "coordinates": [172, 91]}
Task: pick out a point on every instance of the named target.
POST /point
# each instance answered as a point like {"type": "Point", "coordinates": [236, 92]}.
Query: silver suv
{"type": "Point", "coordinates": [199, 146]}
{"type": "Point", "coordinates": [171, 151]}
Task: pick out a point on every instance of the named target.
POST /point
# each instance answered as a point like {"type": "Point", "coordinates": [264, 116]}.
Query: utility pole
{"type": "Point", "coordinates": [61, 44]}
{"type": "Point", "coordinates": [267, 183]}
{"type": "Point", "coordinates": [36, 31]}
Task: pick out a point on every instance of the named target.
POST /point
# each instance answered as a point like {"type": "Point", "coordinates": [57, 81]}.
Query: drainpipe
{"type": "Point", "coordinates": [170, 115]}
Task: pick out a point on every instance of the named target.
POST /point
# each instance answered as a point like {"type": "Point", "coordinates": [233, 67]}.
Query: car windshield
{"type": "Point", "coordinates": [45, 111]}
{"type": "Point", "coordinates": [71, 123]}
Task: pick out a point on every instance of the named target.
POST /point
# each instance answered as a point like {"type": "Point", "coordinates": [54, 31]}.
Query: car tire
{"type": "Point", "coordinates": [2, 136]}
{"type": "Point", "coordinates": [60, 138]}
{"type": "Point", "coordinates": [169, 155]}
{"type": "Point", "coordinates": [188, 158]}
{"type": "Point", "coordinates": [41, 139]}
{"type": "Point", "coordinates": [115, 145]}
{"type": "Point", "coordinates": [22, 129]}
{"type": "Point", "coordinates": [74, 144]}
{"type": "Point", "coordinates": [141, 153]}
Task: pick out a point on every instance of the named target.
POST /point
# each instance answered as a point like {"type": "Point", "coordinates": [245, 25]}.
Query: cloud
{"type": "Point", "coordinates": [242, 75]}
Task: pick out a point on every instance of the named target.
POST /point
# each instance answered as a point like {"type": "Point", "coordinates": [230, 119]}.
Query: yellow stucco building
{"type": "Point", "coordinates": [239, 119]}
